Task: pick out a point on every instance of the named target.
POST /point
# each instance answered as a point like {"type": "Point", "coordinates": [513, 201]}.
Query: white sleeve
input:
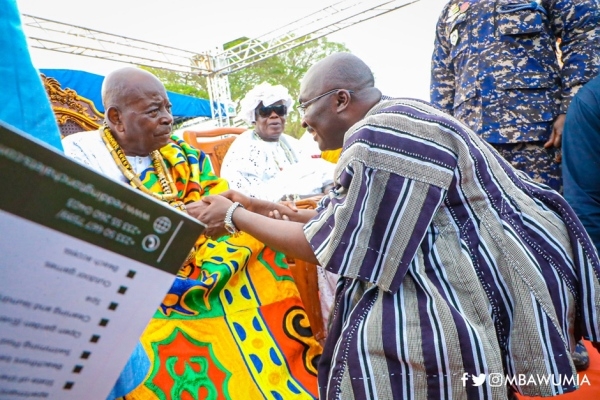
{"type": "Point", "coordinates": [74, 149]}
{"type": "Point", "coordinates": [244, 166]}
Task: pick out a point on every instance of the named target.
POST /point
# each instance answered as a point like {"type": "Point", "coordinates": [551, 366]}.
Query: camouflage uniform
{"type": "Point", "coordinates": [542, 165]}
{"type": "Point", "coordinates": [494, 67]}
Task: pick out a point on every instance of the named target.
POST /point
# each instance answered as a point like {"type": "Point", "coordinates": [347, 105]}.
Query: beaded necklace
{"type": "Point", "coordinates": [286, 150]}
{"type": "Point", "coordinates": [164, 177]}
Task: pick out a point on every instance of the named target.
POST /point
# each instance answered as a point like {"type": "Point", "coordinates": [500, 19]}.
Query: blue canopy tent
{"type": "Point", "coordinates": [89, 86]}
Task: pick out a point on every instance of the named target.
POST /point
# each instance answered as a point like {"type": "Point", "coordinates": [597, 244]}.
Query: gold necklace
{"type": "Point", "coordinates": [164, 177]}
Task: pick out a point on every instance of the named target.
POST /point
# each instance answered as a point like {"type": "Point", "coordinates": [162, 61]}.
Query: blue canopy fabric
{"type": "Point", "coordinates": [89, 85]}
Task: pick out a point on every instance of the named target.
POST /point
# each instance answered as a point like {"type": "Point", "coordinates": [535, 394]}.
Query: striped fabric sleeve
{"type": "Point", "coordinates": [371, 226]}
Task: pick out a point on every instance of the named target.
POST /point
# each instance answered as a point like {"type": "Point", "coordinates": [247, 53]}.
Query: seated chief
{"type": "Point", "coordinates": [232, 325]}
{"type": "Point", "coordinates": [266, 163]}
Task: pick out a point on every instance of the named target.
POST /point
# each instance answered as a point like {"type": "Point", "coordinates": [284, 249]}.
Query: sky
{"type": "Point", "coordinates": [397, 45]}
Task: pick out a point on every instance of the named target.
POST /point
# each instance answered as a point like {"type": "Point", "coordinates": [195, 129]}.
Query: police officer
{"type": "Point", "coordinates": [495, 67]}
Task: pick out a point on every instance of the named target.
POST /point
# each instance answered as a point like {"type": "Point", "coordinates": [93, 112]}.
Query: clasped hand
{"type": "Point", "coordinates": [211, 210]}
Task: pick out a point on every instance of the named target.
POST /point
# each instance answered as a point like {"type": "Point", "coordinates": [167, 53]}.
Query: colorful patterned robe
{"type": "Point", "coordinates": [232, 325]}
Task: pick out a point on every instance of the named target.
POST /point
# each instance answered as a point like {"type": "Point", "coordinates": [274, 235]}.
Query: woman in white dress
{"type": "Point", "coordinates": [266, 163]}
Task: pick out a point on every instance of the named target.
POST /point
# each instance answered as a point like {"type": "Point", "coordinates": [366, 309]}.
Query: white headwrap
{"type": "Point", "coordinates": [265, 93]}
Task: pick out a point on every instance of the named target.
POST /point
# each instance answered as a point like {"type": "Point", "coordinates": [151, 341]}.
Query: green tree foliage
{"type": "Point", "coordinates": [285, 69]}
{"type": "Point", "coordinates": [189, 84]}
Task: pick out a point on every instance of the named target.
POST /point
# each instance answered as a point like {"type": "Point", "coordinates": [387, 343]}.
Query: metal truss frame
{"type": "Point", "coordinates": [215, 64]}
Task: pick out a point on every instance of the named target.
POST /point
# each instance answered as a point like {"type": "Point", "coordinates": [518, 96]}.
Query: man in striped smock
{"type": "Point", "coordinates": [457, 271]}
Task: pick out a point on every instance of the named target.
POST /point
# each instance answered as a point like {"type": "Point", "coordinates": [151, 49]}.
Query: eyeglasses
{"type": "Point", "coordinates": [303, 106]}
{"type": "Point", "coordinates": [266, 112]}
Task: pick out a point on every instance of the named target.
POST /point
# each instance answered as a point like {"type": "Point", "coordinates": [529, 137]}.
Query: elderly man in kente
{"type": "Point", "coordinates": [266, 163]}
{"type": "Point", "coordinates": [232, 325]}
{"type": "Point", "coordinates": [457, 272]}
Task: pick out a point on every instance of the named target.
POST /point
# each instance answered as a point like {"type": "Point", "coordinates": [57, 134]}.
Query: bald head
{"type": "Point", "coordinates": [341, 70]}
{"type": "Point", "coordinates": [119, 85]}
{"type": "Point", "coordinates": [335, 93]}
{"type": "Point", "coordinates": [137, 110]}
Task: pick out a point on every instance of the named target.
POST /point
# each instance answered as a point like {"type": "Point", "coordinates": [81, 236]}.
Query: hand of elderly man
{"type": "Point", "coordinates": [211, 212]}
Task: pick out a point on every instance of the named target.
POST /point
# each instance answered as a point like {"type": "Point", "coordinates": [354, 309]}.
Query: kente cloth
{"type": "Point", "coordinates": [461, 277]}
{"type": "Point", "coordinates": [233, 325]}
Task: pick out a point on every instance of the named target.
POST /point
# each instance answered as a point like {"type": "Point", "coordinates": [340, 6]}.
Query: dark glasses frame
{"type": "Point", "coordinates": [266, 111]}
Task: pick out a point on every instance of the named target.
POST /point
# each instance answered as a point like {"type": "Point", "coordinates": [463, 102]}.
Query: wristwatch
{"type": "Point", "coordinates": [229, 225]}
